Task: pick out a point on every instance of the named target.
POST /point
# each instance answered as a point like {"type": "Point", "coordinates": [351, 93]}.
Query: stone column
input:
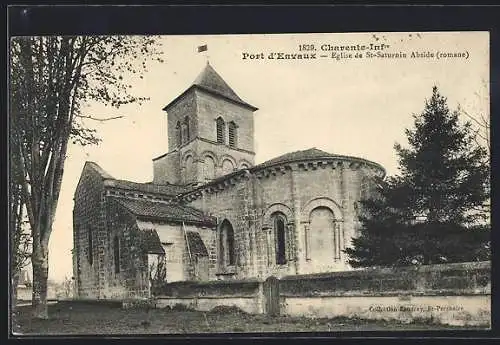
{"type": "Point", "coordinates": [346, 228]}
{"type": "Point", "coordinates": [269, 251]}
{"type": "Point", "coordinates": [299, 236]}
{"type": "Point", "coordinates": [251, 223]}
{"type": "Point", "coordinates": [339, 244]}
{"type": "Point", "coordinates": [307, 241]}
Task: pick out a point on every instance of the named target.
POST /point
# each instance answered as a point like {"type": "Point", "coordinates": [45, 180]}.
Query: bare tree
{"type": "Point", "coordinates": [51, 79]}
{"type": "Point", "coordinates": [481, 122]}
{"type": "Point", "coordinates": [19, 236]}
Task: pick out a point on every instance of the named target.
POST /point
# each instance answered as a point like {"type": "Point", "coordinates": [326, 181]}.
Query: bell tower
{"type": "Point", "coordinates": [210, 133]}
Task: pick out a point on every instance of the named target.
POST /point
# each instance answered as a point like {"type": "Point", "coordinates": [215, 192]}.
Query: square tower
{"type": "Point", "coordinates": [210, 133]}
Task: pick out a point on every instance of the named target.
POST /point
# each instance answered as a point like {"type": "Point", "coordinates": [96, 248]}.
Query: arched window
{"type": "Point", "coordinates": [324, 237]}
{"type": "Point", "coordinates": [91, 247]}
{"type": "Point", "coordinates": [230, 246]}
{"type": "Point", "coordinates": [178, 134]}
{"type": "Point", "coordinates": [226, 251]}
{"type": "Point", "coordinates": [209, 168]}
{"type": "Point", "coordinates": [189, 173]}
{"type": "Point", "coordinates": [233, 138]}
{"type": "Point", "coordinates": [227, 166]}
{"type": "Point", "coordinates": [187, 136]}
{"type": "Point", "coordinates": [116, 253]}
{"type": "Point", "coordinates": [221, 130]}
{"type": "Point", "coordinates": [280, 237]}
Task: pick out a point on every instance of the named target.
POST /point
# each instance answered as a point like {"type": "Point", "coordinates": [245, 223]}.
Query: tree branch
{"type": "Point", "coordinates": [97, 119]}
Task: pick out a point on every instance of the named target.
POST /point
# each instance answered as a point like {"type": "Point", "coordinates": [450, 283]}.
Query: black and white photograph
{"type": "Point", "coordinates": [249, 183]}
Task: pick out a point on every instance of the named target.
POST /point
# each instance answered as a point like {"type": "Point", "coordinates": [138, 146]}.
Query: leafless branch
{"type": "Point", "coordinates": [97, 119]}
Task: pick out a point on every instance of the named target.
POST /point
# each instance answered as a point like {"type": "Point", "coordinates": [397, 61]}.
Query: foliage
{"type": "Point", "coordinates": [225, 309]}
{"type": "Point", "coordinates": [426, 214]}
{"type": "Point", "coordinates": [52, 79]}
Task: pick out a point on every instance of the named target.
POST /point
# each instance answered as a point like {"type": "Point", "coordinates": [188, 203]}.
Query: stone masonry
{"type": "Point", "coordinates": [210, 213]}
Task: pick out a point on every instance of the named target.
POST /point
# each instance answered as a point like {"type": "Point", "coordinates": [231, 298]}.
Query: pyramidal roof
{"type": "Point", "coordinates": [210, 81]}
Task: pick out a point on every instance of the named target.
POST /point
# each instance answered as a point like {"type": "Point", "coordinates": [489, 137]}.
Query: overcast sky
{"type": "Point", "coordinates": [357, 107]}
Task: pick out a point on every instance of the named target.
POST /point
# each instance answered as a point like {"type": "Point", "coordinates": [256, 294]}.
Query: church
{"type": "Point", "coordinates": [210, 212]}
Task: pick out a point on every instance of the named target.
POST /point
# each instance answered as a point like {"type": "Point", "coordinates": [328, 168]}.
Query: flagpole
{"type": "Point", "coordinates": [204, 49]}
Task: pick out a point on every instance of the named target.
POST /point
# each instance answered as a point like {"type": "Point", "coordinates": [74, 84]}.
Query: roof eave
{"type": "Point", "coordinates": [194, 86]}
{"type": "Point", "coordinates": [176, 220]}
{"type": "Point", "coordinates": [289, 161]}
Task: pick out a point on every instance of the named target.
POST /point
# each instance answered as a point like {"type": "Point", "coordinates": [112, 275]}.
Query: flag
{"type": "Point", "coordinates": [202, 48]}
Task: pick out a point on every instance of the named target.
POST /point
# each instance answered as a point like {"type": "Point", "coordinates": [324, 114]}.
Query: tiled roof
{"type": "Point", "coordinates": [167, 189]}
{"type": "Point", "coordinates": [312, 153]}
{"type": "Point", "coordinates": [196, 245]}
{"type": "Point", "coordinates": [158, 210]}
{"type": "Point", "coordinates": [151, 242]}
{"type": "Point", "coordinates": [99, 170]}
{"type": "Point", "coordinates": [209, 80]}
{"type": "Point", "coordinates": [149, 187]}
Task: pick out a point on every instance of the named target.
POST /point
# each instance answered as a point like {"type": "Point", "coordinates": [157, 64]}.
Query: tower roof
{"type": "Point", "coordinates": [210, 81]}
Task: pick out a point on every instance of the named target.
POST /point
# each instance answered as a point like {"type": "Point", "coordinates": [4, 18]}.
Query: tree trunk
{"type": "Point", "coordinates": [13, 292]}
{"type": "Point", "coordinates": [40, 262]}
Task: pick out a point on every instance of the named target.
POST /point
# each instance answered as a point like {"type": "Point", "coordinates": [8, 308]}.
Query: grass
{"type": "Point", "coordinates": [80, 318]}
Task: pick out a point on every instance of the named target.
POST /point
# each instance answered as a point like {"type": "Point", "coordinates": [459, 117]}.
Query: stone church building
{"type": "Point", "coordinates": [210, 212]}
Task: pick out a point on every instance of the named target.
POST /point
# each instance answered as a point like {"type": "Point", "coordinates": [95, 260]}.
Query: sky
{"type": "Point", "coordinates": [351, 106]}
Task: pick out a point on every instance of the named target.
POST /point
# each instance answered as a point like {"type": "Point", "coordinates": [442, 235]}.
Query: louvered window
{"type": "Point", "coordinates": [221, 128]}
{"type": "Point", "coordinates": [232, 134]}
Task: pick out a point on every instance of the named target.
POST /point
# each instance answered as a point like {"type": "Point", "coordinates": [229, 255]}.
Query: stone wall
{"type": "Point", "coordinates": [132, 279]}
{"type": "Point", "coordinates": [188, 162]}
{"type": "Point", "coordinates": [166, 168]}
{"type": "Point", "coordinates": [184, 106]}
{"type": "Point", "coordinates": [94, 212]}
{"type": "Point", "coordinates": [455, 294]}
{"type": "Point", "coordinates": [249, 201]}
{"type": "Point", "coordinates": [210, 107]}
{"type": "Point", "coordinates": [204, 296]}
{"type": "Point", "coordinates": [235, 204]}
{"type": "Point", "coordinates": [88, 215]}
{"type": "Point", "coordinates": [25, 293]}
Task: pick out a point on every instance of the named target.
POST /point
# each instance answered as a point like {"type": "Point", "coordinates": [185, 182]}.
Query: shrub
{"type": "Point", "coordinates": [225, 309]}
{"type": "Point", "coordinates": [182, 307]}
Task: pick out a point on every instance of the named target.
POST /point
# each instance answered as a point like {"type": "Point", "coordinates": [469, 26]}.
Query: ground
{"type": "Point", "coordinates": [68, 318]}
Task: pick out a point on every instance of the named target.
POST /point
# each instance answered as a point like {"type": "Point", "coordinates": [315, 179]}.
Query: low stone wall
{"type": "Point", "coordinates": [204, 296]}
{"type": "Point", "coordinates": [454, 294]}
{"type": "Point", "coordinates": [25, 293]}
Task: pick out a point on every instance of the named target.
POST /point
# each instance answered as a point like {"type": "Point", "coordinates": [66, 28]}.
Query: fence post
{"type": "Point", "coordinates": [271, 296]}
